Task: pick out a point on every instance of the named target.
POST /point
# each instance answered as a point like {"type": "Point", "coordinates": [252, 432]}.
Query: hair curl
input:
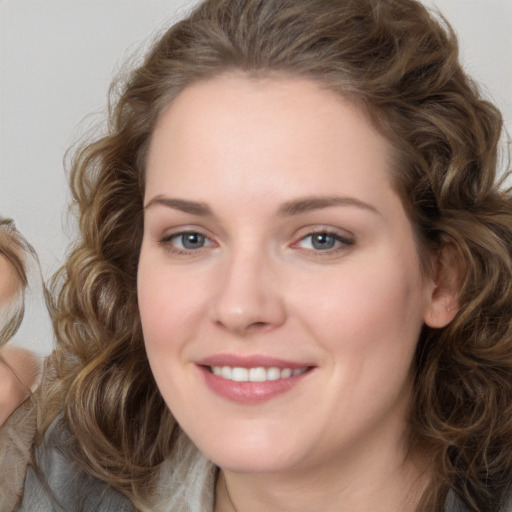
{"type": "Point", "coordinates": [400, 65]}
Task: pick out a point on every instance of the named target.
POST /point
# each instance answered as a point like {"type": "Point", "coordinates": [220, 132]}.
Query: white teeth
{"type": "Point", "coordinates": [286, 373]}
{"type": "Point", "coordinates": [273, 374]}
{"type": "Point", "coordinates": [258, 374]}
{"type": "Point", "coordinates": [240, 374]}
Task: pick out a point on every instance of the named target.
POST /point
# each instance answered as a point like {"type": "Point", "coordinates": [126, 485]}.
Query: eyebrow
{"type": "Point", "coordinates": [287, 209]}
{"type": "Point", "coordinates": [311, 203]}
{"type": "Point", "coordinates": [192, 207]}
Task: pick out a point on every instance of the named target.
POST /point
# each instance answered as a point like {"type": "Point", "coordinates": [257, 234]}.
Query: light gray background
{"type": "Point", "coordinates": [57, 58]}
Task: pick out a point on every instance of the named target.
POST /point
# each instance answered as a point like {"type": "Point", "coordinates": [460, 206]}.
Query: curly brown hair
{"type": "Point", "coordinates": [397, 62]}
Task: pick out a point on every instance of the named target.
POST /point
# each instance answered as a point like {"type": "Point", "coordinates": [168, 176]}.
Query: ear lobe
{"type": "Point", "coordinates": [444, 298]}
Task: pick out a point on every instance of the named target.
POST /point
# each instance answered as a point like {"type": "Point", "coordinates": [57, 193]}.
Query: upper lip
{"type": "Point", "coordinates": [250, 361]}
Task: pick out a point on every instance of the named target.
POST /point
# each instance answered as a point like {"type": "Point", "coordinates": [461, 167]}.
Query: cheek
{"type": "Point", "coordinates": [9, 284]}
{"type": "Point", "coordinates": [170, 304]}
{"type": "Point", "coordinates": [166, 308]}
{"type": "Point", "coordinates": [367, 320]}
{"type": "Point", "coordinates": [371, 307]}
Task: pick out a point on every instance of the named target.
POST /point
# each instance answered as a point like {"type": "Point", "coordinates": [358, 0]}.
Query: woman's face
{"type": "Point", "coordinates": [279, 282]}
{"type": "Point", "coordinates": [9, 284]}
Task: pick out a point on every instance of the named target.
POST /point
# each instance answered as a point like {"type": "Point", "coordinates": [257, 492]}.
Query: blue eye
{"type": "Point", "coordinates": [191, 240]}
{"type": "Point", "coordinates": [187, 241]}
{"type": "Point", "coordinates": [323, 241]}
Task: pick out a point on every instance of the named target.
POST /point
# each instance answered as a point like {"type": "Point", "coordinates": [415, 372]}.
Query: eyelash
{"type": "Point", "coordinates": [341, 243]}
{"type": "Point", "coordinates": [167, 242]}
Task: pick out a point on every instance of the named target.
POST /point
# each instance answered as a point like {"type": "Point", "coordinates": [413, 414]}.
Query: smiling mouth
{"type": "Point", "coordinates": [257, 374]}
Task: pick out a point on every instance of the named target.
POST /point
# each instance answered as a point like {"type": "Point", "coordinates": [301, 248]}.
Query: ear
{"type": "Point", "coordinates": [444, 295]}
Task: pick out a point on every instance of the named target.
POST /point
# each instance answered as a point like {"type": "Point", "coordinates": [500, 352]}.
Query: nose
{"type": "Point", "coordinates": [248, 298]}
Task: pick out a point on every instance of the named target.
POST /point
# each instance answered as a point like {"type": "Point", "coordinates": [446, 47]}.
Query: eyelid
{"type": "Point", "coordinates": [167, 238]}
{"type": "Point", "coordinates": [344, 240]}
{"type": "Point", "coordinates": [174, 234]}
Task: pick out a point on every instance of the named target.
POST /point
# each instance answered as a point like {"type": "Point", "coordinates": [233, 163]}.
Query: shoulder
{"type": "Point", "coordinates": [16, 438]}
{"type": "Point", "coordinates": [454, 504]}
{"type": "Point", "coordinates": [56, 483]}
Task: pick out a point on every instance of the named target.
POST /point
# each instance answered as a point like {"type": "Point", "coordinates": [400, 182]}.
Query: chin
{"type": "Point", "coordinates": [258, 461]}
{"type": "Point", "coordinates": [243, 453]}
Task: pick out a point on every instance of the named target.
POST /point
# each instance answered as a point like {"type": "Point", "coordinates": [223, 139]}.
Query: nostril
{"type": "Point", "coordinates": [259, 326]}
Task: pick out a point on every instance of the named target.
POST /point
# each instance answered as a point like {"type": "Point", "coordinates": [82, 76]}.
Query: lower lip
{"type": "Point", "coordinates": [250, 392]}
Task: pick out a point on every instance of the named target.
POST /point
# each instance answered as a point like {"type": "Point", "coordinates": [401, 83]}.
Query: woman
{"type": "Point", "coordinates": [292, 287]}
{"type": "Point", "coordinates": [19, 368]}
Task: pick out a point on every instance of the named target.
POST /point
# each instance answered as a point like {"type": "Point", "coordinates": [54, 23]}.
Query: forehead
{"type": "Point", "coordinates": [241, 132]}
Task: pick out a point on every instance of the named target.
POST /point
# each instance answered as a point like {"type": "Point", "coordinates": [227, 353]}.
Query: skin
{"type": "Point", "coordinates": [9, 283]}
{"type": "Point", "coordinates": [258, 285]}
{"type": "Point", "coordinates": [12, 391]}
